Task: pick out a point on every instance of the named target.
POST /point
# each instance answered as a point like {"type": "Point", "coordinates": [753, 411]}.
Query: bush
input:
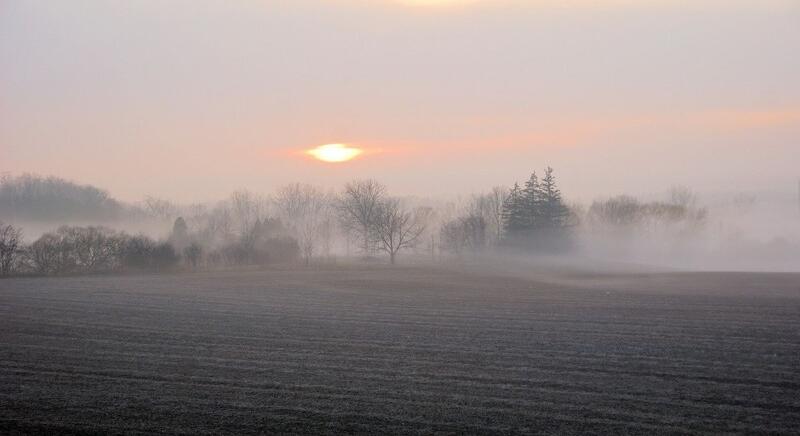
{"type": "Point", "coordinates": [135, 252]}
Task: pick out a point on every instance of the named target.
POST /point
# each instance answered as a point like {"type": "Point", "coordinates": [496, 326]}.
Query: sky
{"type": "Point", "coordinates": [190, 100]}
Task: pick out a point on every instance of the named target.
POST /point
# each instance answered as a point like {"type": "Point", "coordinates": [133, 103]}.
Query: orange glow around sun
{"type": "Point", "coordinates": [335, 153]}
{"type": "Point", "coordinates": [437, 2]}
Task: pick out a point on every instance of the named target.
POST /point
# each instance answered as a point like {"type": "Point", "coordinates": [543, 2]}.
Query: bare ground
{"type": "Point", "coordinates": [401, 350]}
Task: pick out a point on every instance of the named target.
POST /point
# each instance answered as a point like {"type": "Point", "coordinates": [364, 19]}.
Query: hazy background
{"type": "Point", "coordinates": [189, 100]}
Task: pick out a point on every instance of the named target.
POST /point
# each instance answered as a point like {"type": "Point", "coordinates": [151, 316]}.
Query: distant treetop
{"type": "Point", "coordinates": [35, 198]}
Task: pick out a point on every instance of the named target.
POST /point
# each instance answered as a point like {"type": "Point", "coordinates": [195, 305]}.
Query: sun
{"type": "Point", "coordinates": [437, 2]}
{"type": "Point", "coordinates": [335, 153]}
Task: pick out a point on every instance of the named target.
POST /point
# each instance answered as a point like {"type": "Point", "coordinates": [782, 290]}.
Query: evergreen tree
{"type": "Point", "coordinates": [535, 217]}
{"type": "Point", "coordinates": [514, 218]}
{"type": "Point", "coordinates": [553, 211]}
{"type": "Point", "coordinates": [179, 237]}
{"type": "Point", "coordinates": [532, 202]}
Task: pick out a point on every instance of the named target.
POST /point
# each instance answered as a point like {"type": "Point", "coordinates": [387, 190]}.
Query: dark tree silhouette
{"type": "Point", "coordinates": [193, 253]}
{"type": "Point", "coordinates": [10, 248]}
{"type": "Point", "coordinates": [467, 233]}
{"type": "Point", "coordinates": [515, 209]}
{"type": "Point", "coordinates": [359, 207]}
{"type": "Point", "coordinates": [397, 228]}
{"type": "Point", "coordinates": [536, 218]}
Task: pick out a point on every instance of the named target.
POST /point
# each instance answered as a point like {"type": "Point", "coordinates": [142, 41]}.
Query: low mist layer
{"type": "Point", "coordinates": [53, 226]}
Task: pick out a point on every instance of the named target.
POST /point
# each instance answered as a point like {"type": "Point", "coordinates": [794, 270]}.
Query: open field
{"type": "Point", "coordinates": [401, 350]}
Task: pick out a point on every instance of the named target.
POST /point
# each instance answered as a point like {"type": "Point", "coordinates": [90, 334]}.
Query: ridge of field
{"type": "Point", "coordinates": [415, 350]}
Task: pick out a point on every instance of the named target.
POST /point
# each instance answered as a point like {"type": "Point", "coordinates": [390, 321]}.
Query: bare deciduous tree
{"type": "Point", "coordinates": [626, 219]}
{"type": "Point", "coordinates": [359, 208]}
{"type": "Point", "coordinates": [397, 228]}
{"type": "Point", "coordinates": [618, 212]}
{"type": "Point", "coordinates": [490, 207]}
{"type": "Point", "coordinates": [76, 250]}
{"type": "Point", "coordinates": [94, 248]}
{"type": "Point", "coordinates": [136, 252]}
{"type": "Point", "coordinates": [38, 256]}
{"type": "Point", "coordinates": [45, 255]}
{"type": "Point", "coordinates": [10, 245]}
{"type": "Point", "coordinates": [220, 225]}
{"type": "Point", "coordinates": [304, 208]}
{"type": "Point", "coordinates": [467, 233]}
{"type": "Point", "coordinates": [247, 208]}
{"type": "Point", "coordinates": [160, 208]}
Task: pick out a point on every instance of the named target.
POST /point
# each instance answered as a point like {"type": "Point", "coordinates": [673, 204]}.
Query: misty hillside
{"type": "Point", "coordinates": [33, 198]}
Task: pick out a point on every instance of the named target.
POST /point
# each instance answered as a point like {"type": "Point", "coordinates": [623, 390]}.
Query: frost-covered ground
{"type": "Point", "coordinates": [401, 350]}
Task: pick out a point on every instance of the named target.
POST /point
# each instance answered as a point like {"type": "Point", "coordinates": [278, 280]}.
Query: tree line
{"type": "Point", "coordinates": [299, 223]}
{"type": "Point", "coordinates": [532, 218]}
{"type": "Point", "coordinates": [629, 227]}
{"type": "Point", "coordinates": [81, 250]}
{"type": "Point", "coordinates": [303, 223]}
{"type": "Point", "coordinates": [31, 198]}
